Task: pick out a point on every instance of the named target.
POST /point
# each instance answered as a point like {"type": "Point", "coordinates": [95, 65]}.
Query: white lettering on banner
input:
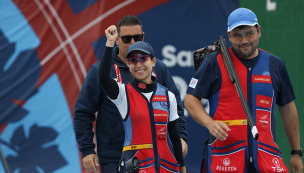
{"type": "Point", "coordinates": [188, 58]}
{"type": "Point", "coordinates": [170, 59]}
{"type": "Point", "coordinates": [183, 58]}
{"type": "Point", "coordinates": [182, 87]}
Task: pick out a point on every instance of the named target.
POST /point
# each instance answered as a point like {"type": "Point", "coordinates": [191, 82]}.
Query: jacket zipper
{"type": "Point", "coordinates": [152, 121]}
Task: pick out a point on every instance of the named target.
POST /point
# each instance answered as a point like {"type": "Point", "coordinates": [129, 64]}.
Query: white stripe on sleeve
{"type": "Point", "coordinates": [121, 101]}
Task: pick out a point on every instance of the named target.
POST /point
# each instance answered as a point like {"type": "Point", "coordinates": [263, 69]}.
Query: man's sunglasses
{"type": "Point", "coordinates": [127, 38]}
{"type": "Point", "coordinates": [141, 58]}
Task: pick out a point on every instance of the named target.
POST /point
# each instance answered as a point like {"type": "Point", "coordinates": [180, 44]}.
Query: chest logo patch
{"type": "Point", "coordinates": [266, 73]}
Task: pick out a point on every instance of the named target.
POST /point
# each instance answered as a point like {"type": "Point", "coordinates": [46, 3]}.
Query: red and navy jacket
{"type": "Point", "coordinates": [261, 84]}
{"type": "Point", "coordinates": [109, 127]}
{"type": "Point", "coordinates": [146, 132]}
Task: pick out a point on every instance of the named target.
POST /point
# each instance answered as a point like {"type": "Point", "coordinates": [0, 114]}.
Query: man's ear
{"type": "Point", "coordinates": [154, 61]}
{"type": "Point", "coordinates": [143, 36]}
{"type": "Point", "coordinates": [117, 41]}
{"type": "Point", "coordinates": [259, 31]}
{"type": "Point", "coordinates": [228, 33]}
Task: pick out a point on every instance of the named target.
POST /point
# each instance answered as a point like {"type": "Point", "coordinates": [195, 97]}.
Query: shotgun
{"type": "Point", "coordinates": [220, 45]}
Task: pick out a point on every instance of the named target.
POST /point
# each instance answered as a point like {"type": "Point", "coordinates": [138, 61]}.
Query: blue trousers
{"type": "Point", "coordinates": [109, 167]}
{"type": "Point", "coordinates": [251, 168]}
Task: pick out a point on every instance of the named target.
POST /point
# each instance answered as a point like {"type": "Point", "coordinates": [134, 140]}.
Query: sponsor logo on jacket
{"type": "Point", "coordinates": [263, 120]}
{"type": "Point", "coordinates": [266, 73]}
{"type": "Point", "coordinates": [277, 167]}
{"type": "Point", "coordinates": [159, 98]}
{"type": "Point", "coordinates": [161, 131]}
{"type": "Point", "coordinates": [262, 79]}
{"type": "Point", "coordinates": [160, 115]}
{"type": "Point", "coordinates": [226, 167]}
{"type": "Point", "coordinates": [164, 105]}
{"type": "Point", "coordinates": [264, 101]}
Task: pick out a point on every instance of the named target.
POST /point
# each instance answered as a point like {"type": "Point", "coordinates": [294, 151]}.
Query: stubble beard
{"type": "Point", "coordinates": [245, 54]}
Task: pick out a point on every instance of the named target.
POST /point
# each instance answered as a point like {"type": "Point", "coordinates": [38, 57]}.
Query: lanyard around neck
{"type": "Point", "coordinates": [118, 75]}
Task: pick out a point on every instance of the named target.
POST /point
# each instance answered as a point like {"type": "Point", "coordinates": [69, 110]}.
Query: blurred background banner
{"type": "Point", "coordinates": [47, 47]}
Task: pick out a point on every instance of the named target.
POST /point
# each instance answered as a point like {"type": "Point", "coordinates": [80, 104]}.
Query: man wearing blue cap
{"type": "Point", "coordinates": [265, 83]}
{"type": "Point", "coordinates": [109, 127]}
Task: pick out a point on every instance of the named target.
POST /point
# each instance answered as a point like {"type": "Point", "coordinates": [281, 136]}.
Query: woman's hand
{"type": "Point", "coordinates": [112, 35]}
{"type": "Point", "coordinates": [183, 169]}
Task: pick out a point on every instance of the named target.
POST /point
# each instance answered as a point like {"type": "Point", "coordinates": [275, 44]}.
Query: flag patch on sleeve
{"type": "Point", "coordinates": [193, 83]}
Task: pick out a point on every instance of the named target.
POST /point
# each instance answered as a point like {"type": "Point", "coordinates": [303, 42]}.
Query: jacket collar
{"type": "Point", "coordinates": [142, 87]}
{"type": "Point", "coordinates": [116, 59]}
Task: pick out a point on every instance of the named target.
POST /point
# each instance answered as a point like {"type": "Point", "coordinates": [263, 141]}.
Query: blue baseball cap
{"type": "Point", "coordinates": [241, 16]}
{"type": "Point", "coordinates": [141, 46]}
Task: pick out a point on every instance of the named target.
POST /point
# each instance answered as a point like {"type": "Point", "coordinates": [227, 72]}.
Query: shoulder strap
{"type": "Point", "coordinates": [118, 75]}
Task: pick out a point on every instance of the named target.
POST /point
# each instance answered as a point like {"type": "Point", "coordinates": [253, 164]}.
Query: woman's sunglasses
{"type": "Point", "coordinates": [141, 58]}
{"type": "Point", "coordinates": [127, 38]}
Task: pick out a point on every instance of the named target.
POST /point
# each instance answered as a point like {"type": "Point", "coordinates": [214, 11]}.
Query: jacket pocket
{"type": "Point", "coordinates": [147, 166]}
{"type": "Point", "coordinates": [230, 158]}
{"type": "Point", "coordinates": [263, 124]}
{"type": "Point", "coordinates": [269, 159]}
{"type": "Point", "coordinates": [168, 167]}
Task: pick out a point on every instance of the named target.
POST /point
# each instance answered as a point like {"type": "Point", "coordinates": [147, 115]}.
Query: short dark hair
{"type": "Point", "coordinates": [128, 20]}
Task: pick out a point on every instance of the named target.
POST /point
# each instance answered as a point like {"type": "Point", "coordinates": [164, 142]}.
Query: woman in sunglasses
{"type": "Point", "coordinates": [149, 111]}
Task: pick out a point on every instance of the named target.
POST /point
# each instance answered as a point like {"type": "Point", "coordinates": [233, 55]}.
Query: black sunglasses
{"type": "Point", "coordinates": [127, 38]}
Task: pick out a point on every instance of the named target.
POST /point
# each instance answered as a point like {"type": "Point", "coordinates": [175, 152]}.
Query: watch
{"type": "Point", "coordinates": [299, 152]}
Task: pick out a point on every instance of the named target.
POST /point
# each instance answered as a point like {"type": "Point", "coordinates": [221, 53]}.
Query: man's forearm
{"type": "Point", "coordinates": [290, 123]}
{"type": "Point", "coordinates": [83, 128]}
{"type": "Point", "coordinates": [196, 110]}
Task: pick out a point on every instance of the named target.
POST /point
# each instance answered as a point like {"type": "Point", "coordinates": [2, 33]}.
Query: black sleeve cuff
{"type": "Point", "coordinates": [175, 139]}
